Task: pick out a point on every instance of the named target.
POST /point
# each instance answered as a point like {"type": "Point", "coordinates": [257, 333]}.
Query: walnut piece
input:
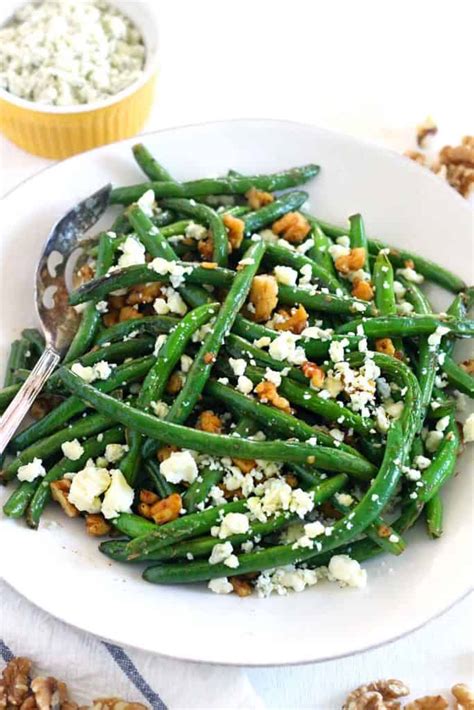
{"type": "Point", "coordinates": [267, 392]}
{"type": "Point", "coordinates": [115, 704]}
{"type": "Point", "coordinates": [241, 586]}
{"type": "Point", "coordinates": [385, 346]}
{"type": "Point", "coordinates": [353, 261]}
{"type": "Point", "coordinates": [468, 366]}
{"type": "Point", "coordinates": [164, 452]}
{"type": "Point", "coordinates": [206, 248]}
{"type": "Point", "coordinates": [50, 693]}
{"type": "Point", "coordinates": [163, 511]}
{"type": "Point", "coordinates": [425, 129]}
{"type": "Point", "coordinates": [143, 293]}
{"type": "Point", "coordinates": [428, 702]}
{"type": "Point", "coordinates": [295, 321]}
{"type": "Point", "coordinates": [464, 696]}
{"type": "Point", "coordinates": [416, 156]}
{"type": "Point", "coordinates": [264, 296]}
{"type": "Point", "coordinates": [245, 465]}
{"type": "Point", "coordinates": [148, 497]}
{"type": "Point", "coordinates": [457, 165]}
{"type": "Point", "coordinates": [210, 422]}
{"type": "Point", "coordinates": [292, 226]}
{"type": "Point", "coordinates": [258, 198]}
{"type": "Point", "coordinates": [59, 492]}
{"type": "Point", "coordinates": [378, 695]}
{"type": "Point", "coordinates": [235, 229]}
{"type": "Point", "coordinates": [362, 289]}
{"type": "Point", "coordinates": [175, 383]}
{"type": "Point", "coordinates": [97, 525]}
{"type": "Point", "coordinates": [314, 373]}
{"type": "Point", "coordinates": [15, 683]}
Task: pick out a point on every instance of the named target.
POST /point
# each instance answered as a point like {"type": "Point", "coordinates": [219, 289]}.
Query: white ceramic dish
{"type": "Point", "coordinates": [60, 569]}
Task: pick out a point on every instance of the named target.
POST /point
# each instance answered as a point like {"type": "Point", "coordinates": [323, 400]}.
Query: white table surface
{"type": "Point", "coordinates": [371, 69]}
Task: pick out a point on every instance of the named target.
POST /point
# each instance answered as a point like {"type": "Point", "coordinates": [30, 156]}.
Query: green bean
{"type": "Point", "coordinates": [199, 489]}
{"type": "Point", "coordinates": [35, 339]}
{"type": "Point", "coordinates": [92, 447]}
{"type": "Point", "coordinates": [443, 464]}
{"type": "Point", "coordinates": [320, 251]}
{"type": "Point", "coordinates": [48, 446]}
{"type": "Point", "coordinates": [324, 302]}
{"type": "Point", "coordinates": [408, 326]}
{"type": "Point", "coordinates": [122, 374]}
{"type": "Point", "coordinates": [358, 238]}
{"type": "Point", "coordinates": [213, 444]}
{"type": "Point", "coordinates": [157, 378]}
{"type": "Point", "coordinates": [281, 255]}
{"type": "Point", "coordinates": [205, 214]}
{"type": "Point", "coordinates": [398, 257]}
{"type": "Point", "coordinates": [153, 325]}
{"type": "Point", "coordinates": [162, 487]}
{"type": "Point", "coordinates": [17, 358]}
{"type": "Point", "coordinates": [315, 348]}
{"type": "Point", "coordinates": [172, 230]}
{"type": "Point", "coordinates": [434, 516]}
{"type": "Point", "coordinates": [205, 358]}
{"type": "Point", "coordinates": [255, 221]}
{"type": "Point", "coordinates": [7, 394]}
{"type": "Point", "coordinates": [157, 245]}
{"type": "Point", "coordinates": [85, 334]}
{"type": "Point", "coordinates": [457, 377]}
{"type": "Point", "coordinates": [383, 282]}
{"type": "Point", "coordinates": [133, 525]}
{"type": "Point", "coordinates": [368, 508]}
{"type": "Point", "coordinates": [378, 531]}
{"type": "Point", "coordinates": [17, 503]}
{"type": "Point", "coordinates": [151, 167]}
{"type": "Point", "coordinates": [216, 186]}
{"type": "Point", "coordinates": [239, 347]}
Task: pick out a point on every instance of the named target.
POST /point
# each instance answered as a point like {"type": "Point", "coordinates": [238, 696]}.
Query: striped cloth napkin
{"type": "Point", "coordinates": [92, 668]}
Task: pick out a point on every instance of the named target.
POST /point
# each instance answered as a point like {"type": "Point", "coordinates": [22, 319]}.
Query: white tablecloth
{"type": "Point", "coordinates": [367, 68]}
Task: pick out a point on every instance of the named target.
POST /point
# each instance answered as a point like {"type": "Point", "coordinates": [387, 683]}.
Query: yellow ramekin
{"type": "Point", "coordinates": [61, 131]}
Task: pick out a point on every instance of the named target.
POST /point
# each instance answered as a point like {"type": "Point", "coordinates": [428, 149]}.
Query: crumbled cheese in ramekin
{"type": "Point", "coordinates": [64, 53]}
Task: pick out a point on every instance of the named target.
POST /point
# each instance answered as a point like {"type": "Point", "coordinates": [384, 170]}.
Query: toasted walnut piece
{"type": "Point", "coordinates": [148, 497]}
{"type": "Point", "coordinates": [164, 452]}
{"type": "Point", "coordinates": [28, 704]}
{"type": "Point", "coordinates": [464, 696]}
{"type": "Point", "coordinates": [230, 495]}
{"type": "Point", "coordinates": [59, 490]}
{"type": "Point", "coordinates": [110, 318]}
{"type": "Point", "coordinates": [295, 321]}
{"type": "Point", "coordinates": [384, 530]}
{"type": "Point", "coordinates": [385, 346]}
{"type": "Point", "coordinates": [209, 421]}
{"type": "Point", "coordinates": [206, 248]}
{"type": "Point", "coordinates": [143, 293]}
{"type": "Point", "coordinates": [291, 479]}
{"type": "Point", "coordinates": [416, 156]}
{"type": "Point", "coordinates": [85, 273]}
{"type": "Point", "coordinates": [264, 296]}
{"type": "Point", "coordinates": [175, 383]}
{"type": "Point", "coordinates": [258, 198]}
{"type": "Point", "coordinates": [292, 226]}
{"type": "Point", "coordinates": [425, 129]}
{"type": "Point", "coordinates": [363, 290]}
{"type": "Point", "coordinates": [209, 265]}
{"type": "Point", "coordinates": [144, 510]}
{"type": "Point", "coordinates": [428, 702]}
{"type": "Point", "coordinates": [468, 366]}
{"type": "Point", "coordinates": [129, 313]}
{"type": "Point", "coordinates": [379, 695]}
{"type": "Point", "coordinates": [353, 261]}
{"type": "Point", "coordinates": [209, 358]}
{"type": "Point", "coordinates": [43, 405]}
{"type": "Point", "coordinates": [267, 392]}
{"type": "Point", "coordinates": [167, 509]}
{"type": "Point", "coordinates": [314, 373]}
{"type": "Point", "coordinates": [235, 228]}
{"type": "Point", "coordinates": [115, 704]}
{"type": "Point", "coordinates": [15, 682]}
{"type": "Point", "coordinates": [241, 586]}
{"type": "Point", "coordinates": [50, 693]}
{"type": "Point", "coordinates": [245, 465]}
{"type": "Point", "coordinates": [97, 525]}
{"type": "Point", "coordinates": [460, 154]}
{"type": "Point", "coordinates": [116, 302]}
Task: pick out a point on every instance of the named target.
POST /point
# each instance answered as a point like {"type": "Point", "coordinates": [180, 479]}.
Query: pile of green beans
{"type": "Point", "coordinates": [173, 368]}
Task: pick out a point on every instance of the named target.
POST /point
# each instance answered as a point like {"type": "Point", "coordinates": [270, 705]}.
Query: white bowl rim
{"type": "Point", "coordinates": [150, 68]}
{"type": "Point", "coordinates": [409, 165]}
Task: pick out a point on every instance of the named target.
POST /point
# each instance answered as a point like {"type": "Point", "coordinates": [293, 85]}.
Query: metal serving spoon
{"type": "Point", "coordinates": [58, 319]}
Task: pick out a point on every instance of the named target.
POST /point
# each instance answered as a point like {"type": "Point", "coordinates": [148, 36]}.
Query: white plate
{"type": "Point", "coordinates": [60, 569]}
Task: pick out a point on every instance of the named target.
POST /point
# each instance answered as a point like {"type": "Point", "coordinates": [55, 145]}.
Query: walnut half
{"type": "Point", "coordinates": [378, 695]}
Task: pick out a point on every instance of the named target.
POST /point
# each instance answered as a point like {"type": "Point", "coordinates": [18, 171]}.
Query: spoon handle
{"type": "Point", "coordinates": [20, 405]}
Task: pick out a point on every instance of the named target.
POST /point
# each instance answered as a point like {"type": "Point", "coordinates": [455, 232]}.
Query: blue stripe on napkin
{"type": "Point", "coordinates": [126, 664]}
